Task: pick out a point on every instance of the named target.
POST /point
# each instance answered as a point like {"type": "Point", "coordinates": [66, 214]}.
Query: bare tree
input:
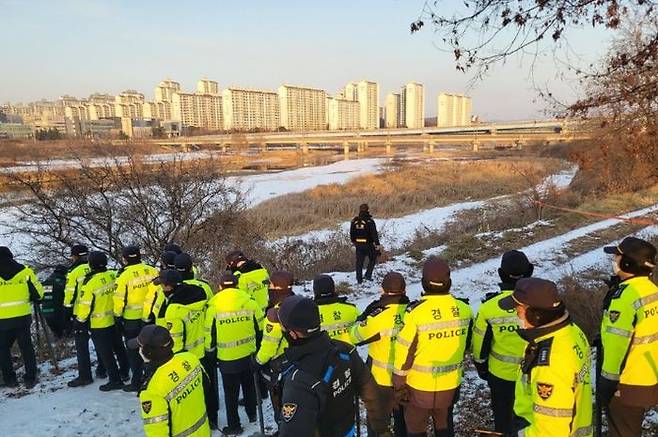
{"type": "Point", "coordinates": [125, 201]}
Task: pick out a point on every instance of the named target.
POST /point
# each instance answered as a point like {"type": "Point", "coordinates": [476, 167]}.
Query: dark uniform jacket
{"type": "Point", "coordinates": [363, 231]}
{"type": "Point", "coordinates": [320, 384]}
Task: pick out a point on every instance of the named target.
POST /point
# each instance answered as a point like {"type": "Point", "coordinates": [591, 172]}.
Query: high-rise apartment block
{"type": "Point", "coordinates": [205, 86]}
{"type": "Point", "coordinates": [130, 104]}
{"type": "Point", "coordinates": [248, 109]}
{"type": "Point", "coordinates": [412, 104]}
{"type": "Point", "coordinates": [368, 98]}
{"type": "Point", "coordinates": [302, 108]}
{"type": "Point", "coordinates": [342, 114]}
{"type": "Point", "coordinates": [392, 111]}
{"type": "Point", "coordinates": [453, 110]}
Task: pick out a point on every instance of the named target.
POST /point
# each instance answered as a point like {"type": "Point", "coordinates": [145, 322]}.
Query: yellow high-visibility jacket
{"type": "Point", "coordinates": [495, 340]}
{"type": "Point", "coordinates": [273, 344]}
{"type": "Point", "coordinates": [172, 404]}
{"type": "Point", "coordinates": [185, 317]}
{"type": "Point", "coordinates": [132, 284]}
{"type": "Point", "coordinates": [153, 299]}
{"type": "Point", "coordinates": [439, 328]}
{"type": "Point", "coordinates": [629, 334]}
{"type": "Point", "coordinates": [337, 317]}
{"type": "Point", "coordinates": [15, 296]}
{"type": "Point", "coordinates": [203, 284]}
{"type": "Point", "coordinates": [553, 392]}
{"type": "Point", "coordinates": [379, 328]}
{"type": "Point", "coordinates": [96, 299]}
{"type": "Point", "coordinates": [74, 278]}
{"type": "Point", "coordinates": [233, 319]}
{"type": "Point", "coordinates": [254, 282]}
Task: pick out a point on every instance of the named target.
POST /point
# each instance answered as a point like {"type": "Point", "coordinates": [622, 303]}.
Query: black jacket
{"type": "Point", "coordinates": [363, 227]}
{"type": "Point", "coordinates": [319, 387]}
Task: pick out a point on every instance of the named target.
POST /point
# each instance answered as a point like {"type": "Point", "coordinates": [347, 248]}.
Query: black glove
{"type": "Point", "coordinates": [254, 365]}
{"type": "Point", "coordinates": [483, 370]}
{"type": "Point", "coordinates": [79, 327]}
{"type": "Point", "coordinates": [606, 389]}
{"type": "Point", "coordinates": [118, 323]}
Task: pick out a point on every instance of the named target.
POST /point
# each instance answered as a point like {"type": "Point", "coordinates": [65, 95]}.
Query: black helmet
{"type": "Point", "coordinates": [183, 262]}
{"type": "Point", "coordinates": [97, 260]}
{"type": "Point", "coordinates": [131, 252]}
{"type": "Point", "coordinates": [168, 260]}
{"type": "Point", "coordinates": [172, 247]}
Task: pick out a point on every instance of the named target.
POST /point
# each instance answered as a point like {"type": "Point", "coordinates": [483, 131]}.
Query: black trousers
{"type": "Point", "coordinates": [363, 252]}
{"type": "Point", "coordinates": [502, 403]}
{"type": "Point", "coordinates": [232, 383]}
{"type": "Point", "coordinates": [624, 420]}
{"type": "Point", "coordinates": [120, 352]}
{"type": "Point", "coordinates": [210, 392]}
{"type": "Point", "coordinates": [22, 335]}
{"type": "Point", "coordinates": [131, 330]}
{"type": "Point", "coordinates": [81, 338]}
{"type": "Point", "coordinates": [103, 339]}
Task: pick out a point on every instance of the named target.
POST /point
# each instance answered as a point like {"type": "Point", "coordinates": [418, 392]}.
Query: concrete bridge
{"type": "Point", "coordinates": [516, 134]}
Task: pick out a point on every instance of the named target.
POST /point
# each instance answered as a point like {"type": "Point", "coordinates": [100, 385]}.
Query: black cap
{"type": "Point", "coordinates": [152, 336]}
{"type": "Point", "coordinates": [515, 264]}
{"type": "Point", "coordinates": [168, 277]}
{"type": "Point", "coordinates": [300, 314]}
{"type": "Point", "coordinates": [234, 257]}
{"type": "Point", "coordinates": [533, 292]}
{"type": "Point", "coordinates": [5, 253]}
{"type": "Point", "coordinates": [323, 286]}
{"type": "Point", "coordinates": [172, 247]}
{"type": "Point", "coordinates": [394, 283]}
{"type": "Point", "coordinates": [131, 251]}
{"type": "Point", "coordinates": [228, 280]}
{"type": "Point", "coordinates": [183, 262]}
{"type": "Point", "coordinates": [97, 260]}
{"type": "Point", "coordinates": [79, 250]}
{"type": "Point", "coordinates": [281, 282]}
{"type": "Point", "coordinates": [436, 272]}
{"type": "Point", "coordinates": [168, 259]}
{"type": "Point", "coordinates": [640, 251]}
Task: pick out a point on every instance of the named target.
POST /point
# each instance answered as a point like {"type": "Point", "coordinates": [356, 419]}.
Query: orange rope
{"type": "Point", "coordinates": [639, 221]}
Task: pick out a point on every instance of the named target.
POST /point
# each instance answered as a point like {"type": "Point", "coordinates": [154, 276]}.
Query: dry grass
{"type": "Point", "coordinates": [406, 188]}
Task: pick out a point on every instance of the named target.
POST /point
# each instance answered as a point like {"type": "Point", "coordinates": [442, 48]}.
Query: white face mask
{"type": "Point", "coordinates": [141, 354]}
{"type": "Point", "coordinates": [615, 267]}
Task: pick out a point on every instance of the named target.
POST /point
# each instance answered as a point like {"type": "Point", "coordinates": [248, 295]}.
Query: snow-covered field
{"type": "Point", "coordinates": [52, 409]}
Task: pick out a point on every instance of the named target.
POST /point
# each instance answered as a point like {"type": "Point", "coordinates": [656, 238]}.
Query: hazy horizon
{"type": "Point", "coordinates": [78, 48]}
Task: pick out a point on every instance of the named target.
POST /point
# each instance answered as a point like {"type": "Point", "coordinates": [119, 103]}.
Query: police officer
{"type": "Point", "coordinates": [429, 352]}
{"type": "Point", "coordinates": [184, 316]}
{"type": "Point", "coordinates": [365, 238]}
{"type": "Point", "coordinates": [497, 349]}
{"type": "Point", "coordinates": [252, 276]}
{"type": "Point", "coordinates": [77, 271]}
{"type": "Point", "coordinates": [337, 316]}
{"type": "Point", "coordinates": [155, 296]}
{"type": "Point", "coordinates": [173, 247]}
{"type": "Point", "coordinates": [132, 283]}
{"type": "Point", "coordinates": [323, 379]}
{"type": "Point", "coordinates": [270, 353]}
{"type": "Point", "coordinates": [95, 313]}
{"type": "Point", "coordinates": [185, 267]}
{"type": "Point", "coordinates": [378, 327]}
{"type": "Point", "coordinates": [234, 323]}
{"type": "Point", "coordinates": [18, 287]}
{"type": "Point", "coordinates": [628, 383]}
{"type": "Point", "coordinates": [172, 396]}
{"type": "Point", "coordinates": [553, 389]}
{"type": "Point", "coordinates": [52, 305]}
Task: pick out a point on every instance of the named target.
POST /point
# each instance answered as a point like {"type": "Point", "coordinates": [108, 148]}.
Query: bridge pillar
{"type": "Point", "coordinates": [389, 147]}
{"type": "Point", "coordinates": [431, 147]}
{"type": "Point", "coordinates": [304, 148]}
{"type": "Point", "coordinates": [476, 145]}
{"type": "Point", "coordinates": [263, 146]}
{"type": "Point", "coordinates": [346, 149]}
{"type": "Point", "coordinates": [519, 144]}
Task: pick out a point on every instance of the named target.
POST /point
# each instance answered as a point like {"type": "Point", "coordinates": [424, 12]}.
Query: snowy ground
{"type": "Point", "coordinates": [53, 409]}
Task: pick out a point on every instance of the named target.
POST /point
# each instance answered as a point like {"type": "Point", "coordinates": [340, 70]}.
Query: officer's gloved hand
{"type": "Point", "coordinates": [79, 327]}
{"type": "Point", "coordinates": [606, 389]}
{"type": "Point", "coordinates": [483, 370]}
{"type": "Point", "coordinates": [400, 389]}
{"type": "Point", "coordinates": [118, 322]}
{"type": "Point", "coordinates": [254, 365]}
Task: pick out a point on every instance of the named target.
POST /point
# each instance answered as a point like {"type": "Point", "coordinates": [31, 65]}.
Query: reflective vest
{"type": "Point", "coordinates": [495, 339]}
{"type": "Point", "coordinates": [273, 344]}
{"type": "Point", "coordinates": [629, 333]}
{"type": "Point", "coordinates": [384, 324]}
{"type": "Point", "coordinates": [232, 319]}
{"type": "Point", "coordinates": [203, 284]}
{"type": "Point", "coordinates": [172, 403]}
{"type": "Point", "coordinates": [255, 283]}
{"type": "Point", "coordinates": [554, 392]}
{"type": "Point", "coordinates": [185, 324]}
{"type": "Point", "coordinates": [15, 294]}
{"type": "Point", "coordinates": [153, 301]}
{"type": "Point", "coordinates": [440, 325]}
{"type": "Point", "coordinates": [95, 302]}
{"type": "Point", "coordinates": [132, 284]}
{"type": "Point", "coordinates": [74, 279]}
{"type": "Point", "coordinates": [337, 319]}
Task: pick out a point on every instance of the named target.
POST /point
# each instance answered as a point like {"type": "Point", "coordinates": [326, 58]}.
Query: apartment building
{"type": "Point", "coordinates": [453, 110]}
{"type": "Point", "coordinates": [412, 105]}
{"type": "Point", "coordinates": [302, 108]}
{"type": "Point", "coordinates": [248, 109]}
{"type": "Point", "coordinates": [129, 104]}
{"type": "Point", "coordinates": [342, 114]}
{"type": "Point", "coordinates": [392, 111]}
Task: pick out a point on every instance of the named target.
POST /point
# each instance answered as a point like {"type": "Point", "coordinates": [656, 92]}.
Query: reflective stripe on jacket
{"type": "Point", "coordinates": [132, 284]}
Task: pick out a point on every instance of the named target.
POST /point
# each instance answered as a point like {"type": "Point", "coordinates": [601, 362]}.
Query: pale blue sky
{"type": "Point", "coordinates": [77, 47]}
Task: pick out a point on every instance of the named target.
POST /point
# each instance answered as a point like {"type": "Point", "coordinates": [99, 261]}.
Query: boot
{"type": "Point", "coordinates": [110, 386]}
{"type": "Point", "coordinates": [232, 431]}
{"type": "Point", "coordinates": [79, 382]}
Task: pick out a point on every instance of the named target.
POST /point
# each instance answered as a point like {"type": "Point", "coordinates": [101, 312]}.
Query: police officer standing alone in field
{"type": "Point", "coordinates": [378, 327]}
{"type": "Point", "coordinates": [19, 287]}
{"type": "Point", "coordinates": [322, 379]}
{"type": "Point", "coordinates": [497, 349]}
{"type": "Point", "coordinates": [365, 238]}
{"type": "Point", "coordinates": [429, 353]}
{"type": "Point", "coordinates": [628, 383]}
{"type": "Point", "coordinates": [171, 398]}
{"type": "Point", "coordinates": [553, 389]}
{"type": "Point", "coordinates": [132, 283]}
{"type": "Point", "coordinates": [337, 316]}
